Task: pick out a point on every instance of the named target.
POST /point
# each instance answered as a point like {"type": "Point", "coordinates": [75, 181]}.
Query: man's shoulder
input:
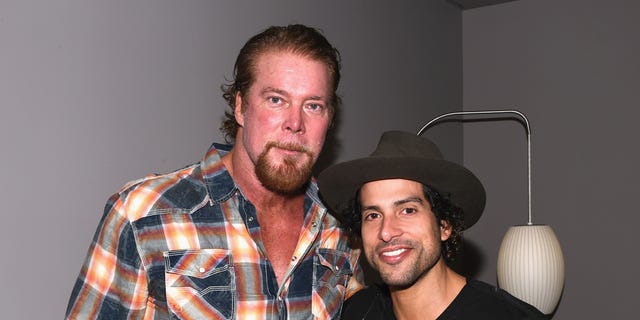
{"type": "Point", "coordinates": [481, 300]}
{"type": "Point", "coordinates": [192, 173]}
{"type": "Point", "coordinates": [153, 177]}
{"type": "Point", "coordinates": [179, 189]}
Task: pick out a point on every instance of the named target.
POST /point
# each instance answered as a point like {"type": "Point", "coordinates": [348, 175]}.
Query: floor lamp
{"type": "Point", "coordinates": [530, 260]}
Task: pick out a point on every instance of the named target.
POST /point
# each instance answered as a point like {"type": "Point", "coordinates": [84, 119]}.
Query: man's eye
{"type": "Point", "coordinates": [275, 100]}
{"type": "Point", "coordinates": [371, 216]}
{"type": "Point", "coordinates": [315, 107]}
{"type": "Point", "coordinates": [410, 210]}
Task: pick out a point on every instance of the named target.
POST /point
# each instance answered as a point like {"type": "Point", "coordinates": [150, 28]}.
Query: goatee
{"type": "Point", "coordinates": [289, 177]}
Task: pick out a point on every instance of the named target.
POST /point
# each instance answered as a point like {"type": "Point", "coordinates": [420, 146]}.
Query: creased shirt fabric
{"type": "Point", "coordinates": [187, 245]}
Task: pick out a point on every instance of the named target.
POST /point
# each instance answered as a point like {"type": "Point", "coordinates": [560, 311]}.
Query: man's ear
{"type": "Point", "coordinates": [237, 111]}
{"type": "Point", "coordinates": [445, 230]}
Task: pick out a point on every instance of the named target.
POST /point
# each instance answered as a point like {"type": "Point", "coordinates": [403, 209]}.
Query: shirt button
{"type": "Point", "coordinates": [201, 269]}
{"type": "Point", "coordinates": [294, 258]}
{"type": "Point", "coordinates": [250, 219]}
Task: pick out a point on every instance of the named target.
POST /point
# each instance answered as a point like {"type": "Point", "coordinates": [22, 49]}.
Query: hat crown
{"type": "Point", "coordinates": [403, 155]}
{"type": "Point", "coordinates": [405, 144]}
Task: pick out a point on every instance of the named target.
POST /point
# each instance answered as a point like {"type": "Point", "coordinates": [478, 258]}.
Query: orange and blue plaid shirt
{"type": "Point", "coordinates": [186, 245]}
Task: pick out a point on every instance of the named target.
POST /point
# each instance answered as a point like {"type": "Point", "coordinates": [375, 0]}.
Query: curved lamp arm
{"type": "Point", "coordinates": [493, 112]}
{"type": "Point", "coordinates": [530, 260]}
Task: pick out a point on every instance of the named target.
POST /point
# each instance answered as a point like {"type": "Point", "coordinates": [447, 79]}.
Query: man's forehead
{"type": "Point", "coordinates": [396, 190]}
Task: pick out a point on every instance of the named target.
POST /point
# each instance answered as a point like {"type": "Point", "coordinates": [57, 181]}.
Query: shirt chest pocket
{"type": "Point", "coordinates": [200, 283]}
{"type": "Point", "coordinates": [331, 272]}
{"type": "Point", "coordinates": [332, 267]}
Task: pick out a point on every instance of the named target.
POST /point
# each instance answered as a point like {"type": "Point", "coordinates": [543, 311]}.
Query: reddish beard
{"type": "Point", "coordinates": [289, 177]}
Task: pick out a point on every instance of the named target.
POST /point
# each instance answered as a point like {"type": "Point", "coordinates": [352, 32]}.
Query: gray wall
{"type": "Point", "coordinates": [572, 67]}
{"type": "Point", "coordinates": [96, 93]}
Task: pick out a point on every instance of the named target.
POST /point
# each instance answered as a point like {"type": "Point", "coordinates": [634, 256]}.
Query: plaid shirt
{"type": "Point", "coordinates": [186, 245]}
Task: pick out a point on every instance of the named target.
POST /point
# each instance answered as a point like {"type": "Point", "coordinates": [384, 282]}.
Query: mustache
{"type": "Point", "coordinates": [395, 242]}
{"type": "Point", "coordinates": [289, 146]}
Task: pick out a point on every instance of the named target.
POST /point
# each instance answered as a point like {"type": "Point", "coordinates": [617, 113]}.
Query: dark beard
{"type": "Point", "coordinates": [410, 276]}
{"type": "Point", "coordinates": [288, 178]}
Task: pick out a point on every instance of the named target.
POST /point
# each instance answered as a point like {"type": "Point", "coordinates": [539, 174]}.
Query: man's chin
{"type": "Point", "coordinates": [285, 181]}
{"type": "Point", "coordinates": [282, 173]}
{"type": "Point", "coordinates": [290, 160]}
{"type": "Point", "coordinates": [396, 282]}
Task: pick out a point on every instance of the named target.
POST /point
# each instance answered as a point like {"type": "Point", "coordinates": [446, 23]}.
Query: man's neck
{"type": "Point", "coordinates": [429, 296]}
{"type": "Point", "coordinates": [280, 216]}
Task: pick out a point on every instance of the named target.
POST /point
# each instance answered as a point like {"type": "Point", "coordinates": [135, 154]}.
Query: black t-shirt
{"type": "Point", "coordinates": [477, 301]}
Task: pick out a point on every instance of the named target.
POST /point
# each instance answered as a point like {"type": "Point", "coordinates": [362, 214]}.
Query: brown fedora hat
{"type": "Point", "coordinates": [404, 155]}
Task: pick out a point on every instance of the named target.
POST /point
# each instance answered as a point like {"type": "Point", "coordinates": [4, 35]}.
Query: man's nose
{"type": "Point", "coordinates": [294, 120]}
{"type": "Point", "coordinates": [389, 229]}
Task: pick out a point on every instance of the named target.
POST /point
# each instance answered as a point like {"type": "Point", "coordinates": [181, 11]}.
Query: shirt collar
{"type": "Point", "coordinates": [220, 185]}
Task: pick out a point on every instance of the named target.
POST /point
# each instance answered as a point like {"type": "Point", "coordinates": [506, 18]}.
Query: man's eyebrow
{"type": "Point", "coordinates": [272, 89]}
{"type": "Point", "coordinates": [396, 203]}
{"type": "Point", "coordinates": [284, 93]}
{"type": "Point", "coordinates": [373, 207]}
{"type": "Point", "coordinates": [318, 98]}
{"type": "Point", "coordinates": [407, 200]}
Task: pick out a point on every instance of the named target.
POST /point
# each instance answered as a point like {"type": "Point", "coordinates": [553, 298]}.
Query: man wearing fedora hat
{"type": "Point", "coordinates": [409, 206]}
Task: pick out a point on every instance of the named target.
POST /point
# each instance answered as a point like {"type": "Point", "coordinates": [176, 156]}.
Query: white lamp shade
{"type": "Point", "coordinates": [531, 266]}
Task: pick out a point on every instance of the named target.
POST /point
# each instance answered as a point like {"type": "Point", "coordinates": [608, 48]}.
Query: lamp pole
{"type": "Point", "coordinates": [530, 260]}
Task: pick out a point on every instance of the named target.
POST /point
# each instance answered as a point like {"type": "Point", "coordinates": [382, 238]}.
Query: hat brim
{"type": "Point", "coordinates": [338, 184]}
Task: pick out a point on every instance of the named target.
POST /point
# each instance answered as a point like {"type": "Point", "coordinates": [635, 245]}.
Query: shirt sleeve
{"type": "Point", "coordinates": [112, 283]}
